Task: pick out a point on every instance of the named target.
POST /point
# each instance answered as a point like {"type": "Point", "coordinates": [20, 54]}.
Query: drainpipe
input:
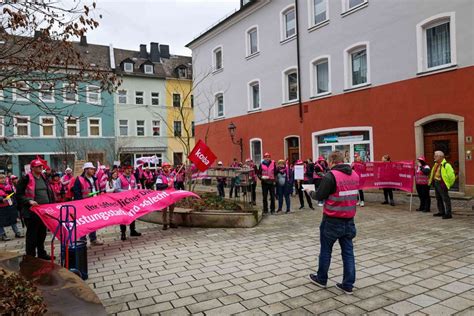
{"type": "Point", "coordinates": [300, 104]}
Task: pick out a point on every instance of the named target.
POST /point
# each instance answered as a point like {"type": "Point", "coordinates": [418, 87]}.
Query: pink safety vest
{"type": "Point", "coordinates": [167, 179]}
{"type": "Point", "coordinates": [420, 178]}
{"type": "Point", "coordinates": [30, 188]}
{"type": "Point", "coordinates": [148, 176]}
{"type": "Point", "coordinates": [5, 190]}
{"type": "Point", "coordinates": [269, 171]}
{"type": "Point", "coordinates": [85, 186]}
{"type": "Point", "coordinates": [320, 168]}
{"type": "Point", "coordinates": [127, 185]}
{"type": "Point", "coordinates": [56, 188]}
{"type": "Point", "coordinates": [343, 202]}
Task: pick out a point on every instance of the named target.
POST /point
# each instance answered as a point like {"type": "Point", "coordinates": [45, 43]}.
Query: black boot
{"type": "Point", "coordinates": [123, 236]}
{"type": "Point", "coordinates": [134, 233]}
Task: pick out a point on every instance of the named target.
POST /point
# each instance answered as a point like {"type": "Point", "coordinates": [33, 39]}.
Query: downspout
{"type": "Point", "coordinates": [300, 104]}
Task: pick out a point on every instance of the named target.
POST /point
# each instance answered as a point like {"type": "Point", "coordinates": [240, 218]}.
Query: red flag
{"type": "Point", "coordinates": [202, 156]}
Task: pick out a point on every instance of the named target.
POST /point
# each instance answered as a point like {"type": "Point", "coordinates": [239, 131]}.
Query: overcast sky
{"type": "Point", "coordinates": [129, 23]}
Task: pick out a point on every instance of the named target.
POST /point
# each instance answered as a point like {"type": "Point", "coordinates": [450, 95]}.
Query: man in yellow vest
{"type": "Point", "coordinates": [442, 178]}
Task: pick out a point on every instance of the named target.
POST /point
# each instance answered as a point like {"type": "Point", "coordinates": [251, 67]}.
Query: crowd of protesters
{"type": "Point", "coordinates": [42, 185]}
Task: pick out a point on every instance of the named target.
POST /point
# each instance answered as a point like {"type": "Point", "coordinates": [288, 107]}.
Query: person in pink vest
{"type": "Point", "coordinates": [422, 177]}
{"type": "Point", "coordinates": [165, 181]}
{"type": "Point", "coordinates": [127, 181]}
{"type": "Point", "coordinates": [67, 181]}
{"type": "Point", "coordinates": [148, 178]}
{"type": "Point", "coordinates": [180, 176]}
{"type": "Point", "coordinates": [357, 165]}
{"type": "Point", "coordinates": [299, 187]}
{"type": "Point", "coordinates": [267, 174]}
{"type": "Point", "coordinates": [87, 186]}
{"type": "Point", "coordinates": [338, 189]}
{"type": "Point", "coordinates": [8, 209]}
{"type": "Point", "coordinates": [249, 164]}
{"type": "Point", "coordinates": [33, 189]}
{"type": "Point", "coordinates": [57, 187]}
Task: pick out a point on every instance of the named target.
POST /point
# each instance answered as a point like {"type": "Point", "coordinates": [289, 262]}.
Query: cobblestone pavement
{"type": "Point", "coordinates": [407, 263]}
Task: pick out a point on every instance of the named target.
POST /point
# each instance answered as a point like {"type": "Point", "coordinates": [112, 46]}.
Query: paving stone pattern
{"type": "Point", "coordinates": [407, 263]}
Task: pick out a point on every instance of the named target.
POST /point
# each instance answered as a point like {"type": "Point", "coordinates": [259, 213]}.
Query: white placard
{"type": "Point", "coordinates": [309, 187]}
{"type": "Point", "coordinates": [299, 172]}
{"type": "Point", "coordinates": [27, 168]}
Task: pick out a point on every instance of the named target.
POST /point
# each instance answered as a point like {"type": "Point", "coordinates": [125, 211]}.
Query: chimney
{"type": "Point", "coordinates": [143, 52]}
{"type": "Point", "coordinates": [83, 41]}
{"type": "Point", "coordinates": [165, 51]}
{"type": "Point", "coordinates": [155, 52]}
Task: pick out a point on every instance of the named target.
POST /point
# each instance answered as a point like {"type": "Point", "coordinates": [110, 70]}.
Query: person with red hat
{"type": "Point", "coordinates": [320, 168]}
{"type": "Point", "coordinates": [67, 180]}
{"type": "Point", "coordinates": [299, 187]}
{"type": "Point", "coordinates": [267, 174]}
{"type": "Point", "coordinates": [422, 177]}
{"type": "Point", "coordinates": [127, 181]}
{"type": "Point", "coordinates": [8, 209]}
{"type": "Point", "coordinates": [33, 189]}
{"type": "Point", "coordinates": [166, 181]}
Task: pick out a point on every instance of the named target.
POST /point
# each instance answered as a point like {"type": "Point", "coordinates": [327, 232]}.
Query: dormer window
{"type": "Point", "coordinates": [128, 67]}
{"type": "Point", "coordinates": [182, 73]}
{"type": "Point", "coordinates": [148, 69]}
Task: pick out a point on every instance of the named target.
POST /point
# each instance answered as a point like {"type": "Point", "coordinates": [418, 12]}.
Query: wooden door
{"type": "Point", "coordinates": [447, 143]}
{"type": "Point", "coordinates": [293, 154]}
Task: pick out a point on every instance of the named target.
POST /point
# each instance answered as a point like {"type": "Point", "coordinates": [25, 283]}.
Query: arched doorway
{"type": "Point", "coordinates": [292, 148]}
{"type": "Point", "coordinates": [443, 132]}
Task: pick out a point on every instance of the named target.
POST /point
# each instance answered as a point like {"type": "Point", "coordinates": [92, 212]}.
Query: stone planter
{"type": "Point", "coordinates": [209, 218]}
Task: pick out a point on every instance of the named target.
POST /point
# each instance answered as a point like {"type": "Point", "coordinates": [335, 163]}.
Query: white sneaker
{"type": "Point", "coordinates": [358, 203]}
{"type": "Point", "coordinates": [362, 203]}
{"type": "Point", "coordinates": [320, 204]}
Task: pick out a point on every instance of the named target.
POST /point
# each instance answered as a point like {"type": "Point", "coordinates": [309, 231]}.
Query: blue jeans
{"type": "Point", "coordinates": [283, 192]}
{"type": "Point", "coordinates": [330, 232]}
{"type": "Point", "coordinates": [14, 227]}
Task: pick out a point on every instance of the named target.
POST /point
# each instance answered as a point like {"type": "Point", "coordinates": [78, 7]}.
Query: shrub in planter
{"type": "Point", "coordinates": [18, 296]}
{"type": "Point", "coordinates": [209, 201]}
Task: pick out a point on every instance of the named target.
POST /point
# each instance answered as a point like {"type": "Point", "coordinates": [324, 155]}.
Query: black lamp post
{"type": "Point", "coordinates": [232, 129]}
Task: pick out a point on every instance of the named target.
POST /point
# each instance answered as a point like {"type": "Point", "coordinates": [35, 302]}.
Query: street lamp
{"type": "Point", "coordinates": [239, 142]}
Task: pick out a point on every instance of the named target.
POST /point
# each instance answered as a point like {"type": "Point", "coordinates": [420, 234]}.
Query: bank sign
{"type": "Point", "coordinates": [202, 156]}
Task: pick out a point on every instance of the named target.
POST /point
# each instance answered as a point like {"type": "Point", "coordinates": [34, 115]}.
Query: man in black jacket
{"type": "Point", "coordinates": [32, 194]}
{"type": "Point", "coordinates": [267, 174]}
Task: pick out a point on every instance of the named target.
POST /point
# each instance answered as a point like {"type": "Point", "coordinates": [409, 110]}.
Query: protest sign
{"type": "Point", "coordinates": [202, 156]}
{"type": "Point", "coordinates": [394, 175]}
{"type": "Point", "coordinates": [299, 172]}
{"type": "Point", "coordinates": [110, 209]}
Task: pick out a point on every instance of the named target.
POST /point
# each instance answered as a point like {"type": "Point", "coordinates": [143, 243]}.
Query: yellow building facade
{"type": "Point", "coordinates": [180, 119]}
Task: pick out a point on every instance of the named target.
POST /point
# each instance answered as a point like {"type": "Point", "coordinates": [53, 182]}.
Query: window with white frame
{"type": "Point", "coordinates": [357, 65]}
{"type": "Point", "coordinates": [182, 72]}
{"type": "Point", "coordinates": [93, 94]}
{"type": "Point", "coordinates": [290, 85]}
{"type": "Point", "coordinates": [177, 128]}
{"type": "Point", "coordinates": [155, 128]}
{"type": "Point", "coordinates": [122, 96]}
{"type": "Point", "coordinates": [123, 127]}
{"type": "Point", "coordinates": [22, 126]}
{"type": "Point", "coordinates": [69, 93]}
{"type": "Point", "coordinates": [139, 97]}
{"type": "Point", "coordinates": [348, 5]}
{"type": "Point", "coordinates": [254, 95]}
{"type": "Point", "coordinates": [72, 126]}
{"type": "Point", "coordinates": [288, 23]}
{"type": "Point", "coordinates": [46, 93]}
{"type": "Point", "coordinates": [47, 126]}
{"type": "Point", "coordinates": [155, 98]}
{"type": "Point", "coordinates": [218, 58]}
{"type": "Point", "coordinates": [21, 92]}
{"type": "Point", "coordinates": [148, 69]}
{"type": "Point", "coordinates": [252, 41]}
{"type": "Point", "coordinates": [256, 150]}
{"type": "Point", "coordinates": [320, 76]}
{"type": "Point", "coordinates": [436, 42]}
{"type": "Point", "coordinates": [128, 67]}
{"type": "Point", "coordinates": [318, 10]}
{"type": "Point", "coordinates": [140, 128]}
{"type": "Point", "coordinates": [220, 105]}
{"type": "Point", "coordinates": [95, 129]}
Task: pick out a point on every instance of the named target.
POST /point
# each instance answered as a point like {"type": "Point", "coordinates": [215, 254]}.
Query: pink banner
{"type": "Point", "coordinates": [110, 209]}
{"type": "Point", "coordinates": [394, 175]}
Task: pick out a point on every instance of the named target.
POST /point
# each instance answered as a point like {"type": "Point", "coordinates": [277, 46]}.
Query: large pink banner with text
{"type": "Point", "coordinates": [378, 174]}
{"type": "Point", "coordinates": [110, 209]}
